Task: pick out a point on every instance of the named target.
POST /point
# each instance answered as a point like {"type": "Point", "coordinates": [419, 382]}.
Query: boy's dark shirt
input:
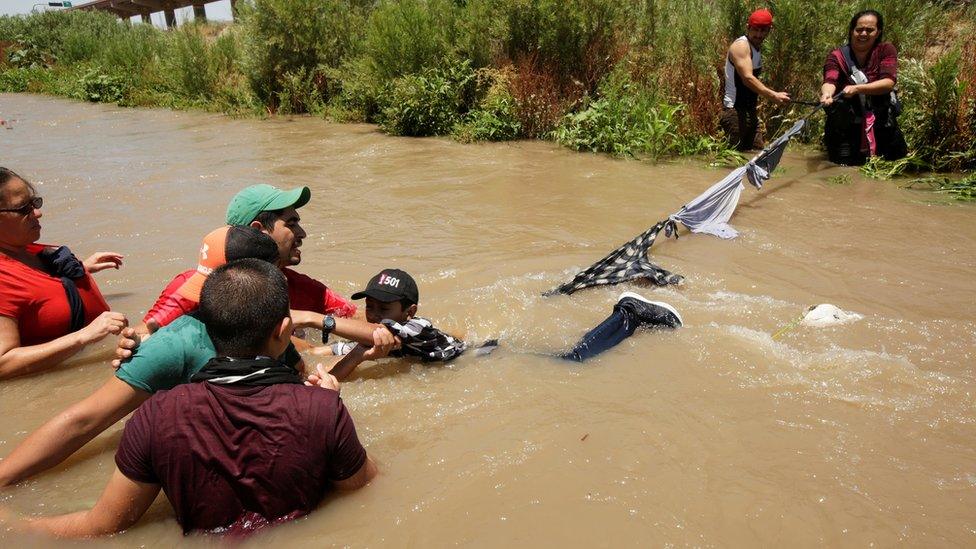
{"type": "Point", "coordinates": [418, 337]}
{"type": "Point", "coordinates": [222, 453]}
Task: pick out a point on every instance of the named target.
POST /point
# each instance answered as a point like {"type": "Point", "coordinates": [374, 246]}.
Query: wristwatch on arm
{"type": "Point", "coordinates": [328, 324]}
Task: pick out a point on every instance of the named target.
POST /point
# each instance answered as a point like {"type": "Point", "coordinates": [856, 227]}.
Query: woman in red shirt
{"type": "Point", "coordinates": [50, 307]}
{"type": "Point", "coordinates": [862, 122]}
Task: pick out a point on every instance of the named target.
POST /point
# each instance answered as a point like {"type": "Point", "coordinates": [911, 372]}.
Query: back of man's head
{"type": "Point", "coordinates": [242, 303]}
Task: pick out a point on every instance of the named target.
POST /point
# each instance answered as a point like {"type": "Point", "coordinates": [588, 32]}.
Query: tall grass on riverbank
{"type": "Point", "coordinates": [627, 77]}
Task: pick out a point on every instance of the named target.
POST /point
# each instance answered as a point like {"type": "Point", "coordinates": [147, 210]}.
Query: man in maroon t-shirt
{"type": "Point", "coordinates": [247, 444]}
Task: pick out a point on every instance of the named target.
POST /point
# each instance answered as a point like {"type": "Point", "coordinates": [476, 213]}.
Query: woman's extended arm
{"type": "Point", "coordinates": [17, 361]}
{"type": "Point", "coordinates": [878, 87]}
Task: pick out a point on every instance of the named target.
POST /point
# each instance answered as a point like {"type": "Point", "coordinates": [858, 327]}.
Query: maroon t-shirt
{"type": "Point", "coordinates": [882, 63]}
{"type": "Point", "coordinates": [223, 454]}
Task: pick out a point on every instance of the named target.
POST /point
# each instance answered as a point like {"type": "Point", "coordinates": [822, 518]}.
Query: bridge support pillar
{"type": "Point", "coordinates": [199, 13]}
{"type": "Point", "coordinates": [146, 18]}
{"type": "Point", "coordinates": [233, 9]}
{"type": "Point", "coordinates": [170, 18]}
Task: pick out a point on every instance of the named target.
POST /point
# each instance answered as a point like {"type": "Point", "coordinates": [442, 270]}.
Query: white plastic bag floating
{"type": "Point", "coordinates": [825, 314]}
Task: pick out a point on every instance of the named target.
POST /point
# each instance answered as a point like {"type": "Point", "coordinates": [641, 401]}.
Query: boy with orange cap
{"type": "Point", "coordinates": [223, 245]}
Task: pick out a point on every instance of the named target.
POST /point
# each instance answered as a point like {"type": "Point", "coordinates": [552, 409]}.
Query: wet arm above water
{"type": "Point", "coordinates": [348, 362]}
{"type": "Point", "coordinates": [742, 61]}
{"type": "Point", "coordinates": [68, 431]}
{"type": "Point", "coordinates": [359, 331]}
{"type": "Point", "coordinates": [121, 505]}
{"type": "Point", "coordinates": [17, 361]}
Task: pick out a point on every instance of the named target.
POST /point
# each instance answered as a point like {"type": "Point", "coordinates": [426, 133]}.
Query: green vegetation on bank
{"type": "Point", "coordinates": [626, 77]}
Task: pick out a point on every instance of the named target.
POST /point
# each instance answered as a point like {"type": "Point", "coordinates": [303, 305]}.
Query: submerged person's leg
{"type": "Point", "coordinates": [631, 311]}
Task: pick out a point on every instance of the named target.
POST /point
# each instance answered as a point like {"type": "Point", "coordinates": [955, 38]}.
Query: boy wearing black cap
{"type": "Point", "coordinates": [391, 300]}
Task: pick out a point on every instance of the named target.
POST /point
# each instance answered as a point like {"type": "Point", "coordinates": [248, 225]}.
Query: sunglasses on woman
{"type": "Point", "coordinates": [34, 203]}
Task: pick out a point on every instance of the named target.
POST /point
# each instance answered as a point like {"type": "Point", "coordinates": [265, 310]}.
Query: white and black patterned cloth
{"type": "Point", "coordinates": [627, 262]}
{"type": "Point", "coordinates": [418, 337]}
{"type": "Point", "coordinates": [708, 213]}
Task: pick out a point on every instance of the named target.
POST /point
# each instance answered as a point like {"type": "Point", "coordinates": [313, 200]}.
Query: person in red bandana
{"type": "Point", "coordinates": [743, 64]}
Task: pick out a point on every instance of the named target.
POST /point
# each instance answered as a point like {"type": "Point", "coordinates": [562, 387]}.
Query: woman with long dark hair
{"type": "Point", "coordinates": [862, 122]}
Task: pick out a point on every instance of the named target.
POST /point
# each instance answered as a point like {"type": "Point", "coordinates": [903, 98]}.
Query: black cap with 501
{"type": "Point", "coordinates": [391, 285]}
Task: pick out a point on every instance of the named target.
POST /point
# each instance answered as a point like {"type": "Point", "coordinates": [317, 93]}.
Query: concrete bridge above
{"type": "Point", "coordinates": [129, 8]}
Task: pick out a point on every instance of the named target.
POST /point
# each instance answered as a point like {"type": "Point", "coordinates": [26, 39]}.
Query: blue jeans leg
{"type": "Point", "coordinates": [608, 334]}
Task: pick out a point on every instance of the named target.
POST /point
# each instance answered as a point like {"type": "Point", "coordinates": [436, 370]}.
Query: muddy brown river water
{"type": "Point", "coordinates": [714, 435]}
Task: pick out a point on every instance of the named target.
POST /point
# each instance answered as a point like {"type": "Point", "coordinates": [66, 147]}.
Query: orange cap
{"type": "Point", "coordinates": [212, 255]}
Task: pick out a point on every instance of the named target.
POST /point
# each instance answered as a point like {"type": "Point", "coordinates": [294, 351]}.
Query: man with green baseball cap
{"type": "Point", "coordinates": [247, 204]}
{"type": "Point", "coordinates": [275, 211]}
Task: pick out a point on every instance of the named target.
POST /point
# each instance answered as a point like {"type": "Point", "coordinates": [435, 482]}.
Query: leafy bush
{"type": "Point", "coordinates": [480, 28]}
{"type": "Point", "coordinates": [495, 117]}
{"type": "Point", "coordinates": [300, 92]}
{"type": "Point", "coordinates": [96, 86]}
{"type": "Point", "coordinates": [361, 95]}
{"type": "Point", "coordinates": [10, 26]}
{"type": "Point", "coordinates": [15, 80]}
{"type": "Point", "coordinates": [678, 56]}
{"type": "Point", "coordinates": [189, 61]}
{"type": "Point", "coordinates": [86, 38]}
{"type": "Point", "coordinates": [234, 95]}
{"type": "Point", "coordinates": [937, 119]}
{"type": "Point", "coordinates": [540, 102]}
{"type": "Point", "coordinates": [574, 41]}
{"type": "Point", "coordinates": [405, 37]}
{"type": "Point", "coordinates": [131, 49]}
{"type": "Point", "coordinates": [28, 55]}
{"type": "Point", "coordinates": [429, 103]}
{"type": "Point", "coordinates": [626, 121]}
{"type": "Point", "coordinates": [286, 38]}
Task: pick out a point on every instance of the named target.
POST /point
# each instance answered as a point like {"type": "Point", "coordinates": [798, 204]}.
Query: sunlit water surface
{"type": "Point", "coordinates": [715, 435]}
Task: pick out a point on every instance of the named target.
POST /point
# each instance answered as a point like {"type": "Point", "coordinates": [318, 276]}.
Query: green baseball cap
{"type": "Point", "coordinates": [248, 203]}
